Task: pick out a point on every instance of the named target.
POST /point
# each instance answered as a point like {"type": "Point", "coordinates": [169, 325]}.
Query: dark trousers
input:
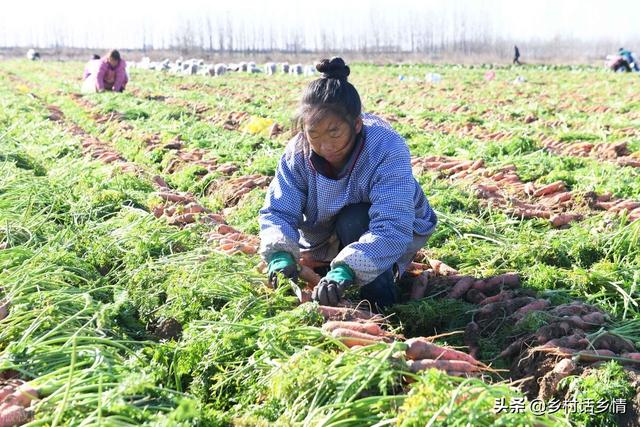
{"type": "Point", "coordinates": [351, 223]}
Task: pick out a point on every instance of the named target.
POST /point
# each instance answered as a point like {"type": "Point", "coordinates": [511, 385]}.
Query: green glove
{"type": "Point", "coordinates": [332, 286]}
{"type": "Point", "coordinates": [282, 262]}
{"type": "Point", "coordinates": [341, 273]}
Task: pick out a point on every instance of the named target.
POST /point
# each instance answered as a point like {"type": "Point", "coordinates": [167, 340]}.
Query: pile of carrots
{"type": "Point", "coordinates": [233, 189]}
{"type": "Point", "coordinates": [617, 152]}
{"type": "Point", "coordinates": [422, 354]}
{"type": "Point", "coordinates": [232, 241]}
{"type": "Point", "coordinates": [357, 328]}
{"type": "Point", "coordinates": [181, 208]}
{"type": "Point", "coordinates": [503, 188]}
{"type": "Point", "coordinates": [16, 397]}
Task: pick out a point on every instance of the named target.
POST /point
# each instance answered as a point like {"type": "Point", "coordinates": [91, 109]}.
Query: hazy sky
{"type": "Point", "coordinates": [123, 22]}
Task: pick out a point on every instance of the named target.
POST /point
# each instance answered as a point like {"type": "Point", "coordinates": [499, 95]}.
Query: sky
{"type": "Point", "coordinates": [127, 23]}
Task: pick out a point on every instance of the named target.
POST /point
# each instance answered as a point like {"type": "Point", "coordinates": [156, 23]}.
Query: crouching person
{"type": "Point", "coordinates": [108, 74]}
{"type": "Point", "coordinates": [344, 193]}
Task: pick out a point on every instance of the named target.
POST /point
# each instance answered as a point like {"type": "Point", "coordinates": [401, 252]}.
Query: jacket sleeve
{"type": "Point", "coordinates": [121, 76]}
{"type": "Point", "coordinates": [392, 215]}
{"type": "Point", "coordinates": [282, 212]}
{"type": "Point", "coordinates": [102, 69]}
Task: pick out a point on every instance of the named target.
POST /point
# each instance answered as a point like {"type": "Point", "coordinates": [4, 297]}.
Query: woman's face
{"type": "Point", "coordinates": [113, 62]}
{"type": "Point", "coordinates": [332, 139]}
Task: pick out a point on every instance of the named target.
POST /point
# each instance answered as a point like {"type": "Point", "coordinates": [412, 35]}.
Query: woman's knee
{"type": "Point", "coordinates": [352, 222]}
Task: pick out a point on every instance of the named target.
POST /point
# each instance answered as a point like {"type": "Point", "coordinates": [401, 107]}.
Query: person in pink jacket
{"type": "Point", "coordinates": [106, 74]}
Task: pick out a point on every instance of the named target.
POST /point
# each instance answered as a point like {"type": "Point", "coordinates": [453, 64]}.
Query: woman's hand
{"type": "Point", "coordinates": [331, 287]}
{"type": "Point", "coordinates": [283, 263]}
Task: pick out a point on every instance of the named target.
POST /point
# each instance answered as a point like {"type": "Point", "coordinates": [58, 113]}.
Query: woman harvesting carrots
{"type": "Point", "coordinates": [344, 193]}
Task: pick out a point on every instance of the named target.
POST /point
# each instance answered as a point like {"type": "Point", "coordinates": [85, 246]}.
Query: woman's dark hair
{"type": "Point", "coordinates": [115, 55]}
{"type": "Point", "coordinates": [330, 94]}
{"type": "Point", "coordinates": [95, 56]}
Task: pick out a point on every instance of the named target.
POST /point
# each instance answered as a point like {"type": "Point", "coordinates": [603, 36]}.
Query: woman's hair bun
{"type": "Point", "coordinates": [333, 68]}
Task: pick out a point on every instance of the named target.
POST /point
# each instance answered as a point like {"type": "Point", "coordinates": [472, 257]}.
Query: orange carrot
{"type": "Point", "coordinates": [364, 327]}
{"type": "Point", "coordinates": [560, 220]}
{"type": "Point", "coordinates": [350, 337]}
{"type": "Point", "coordinates": [13, 415]}
{"type": "Point", "coordinates": [549, 189]}
{"type": "Point", "coordinates": [537, 305]}
{"type": "Point", "coordinates": [440, 268]}
{"type": "Point", "coordinates": [442, 365]}
{"type": "Point", "coordinates": [172, 197]}
{"type": "Point", "coordinates": [23, 396]}
{"type": "Point", "coordinates": [308, 275]}
{"type": "Point", "coordinates": [420, 348]}
{"type": "Point", "coordinates": [503, 295]}
{"type": "Point", "coordinates": [461, 287]}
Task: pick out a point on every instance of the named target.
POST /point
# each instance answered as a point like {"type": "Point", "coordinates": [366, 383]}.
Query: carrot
{"type": "Point", "coordinates": [513, 349]}
{"type": "Point", "coordinates": [4, 309]}
{"type": "Point", "coordinates": [226, 229]}
{"type": "Point", "coordinates": [193, 208]}
{"type": "Point", "coordinates": [172, 197]}
{"type": "Point", "coordinates": [615, 343]}
{"type": "Point", "coordinates": [537, 305]}
{"type": "Point", "coordinates": [477, 164]}
{"type": "Point", "coordinates": [553, 330]}
{"type": "Point", "coordinates": [503, 307]}
{"type": "Point", "coordinates": [507, 280]}
{"type": "Point", "coordinates": [471, 338]}
{"type": "Point", "coordinates": [634, 356]}
{"type": "Point", "coordinates": [23, 395]}
{"type": "Point", "coordinates": [350, 337]}
{"type": "Point", "coordinates": [576, 308]}
{"type": "Point", "coordinates": [503, 295]}
{"type": "Point", "coordinates": [419, 286]}
{"type": "Point", "coordinates": [461, 287]}
{"type": "Point", "coordinates": [576, 341]}
{"type": "Point", "coordinates": [6, 391]}
{"type": "Point", "coordinates": [308, 275]}
{"type": "Point", "coordinates": [420, 348]}
{"type": "Point", "coordinates": [343, 313]}
{"type": "Point", "coordinates": [448, 165]}
{"type": "Point", "coordinates": [364, 327]}
{"type": "Point", "coordinates": [160, 182]}
{"type": "Point", "coordinates": [595, 318]}
{"type": "Point", "coordinates": [13, 415]}
{"type": "Point", "coordinates": [183, 219]}
{"type": "Point", "coordinates": [440, 268]}
{"type": "Point", "coordinates": [474, 296]}
{"type": "Point", "coordinates": [442, 365]}
{"type": "Point", "coordinates": [560, 220]}
{"type": "Point", "coordinates": [549, 189]}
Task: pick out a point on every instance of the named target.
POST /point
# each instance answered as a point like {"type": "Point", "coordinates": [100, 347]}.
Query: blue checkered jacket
{"type": "Point", "coordinates": [301, 204]}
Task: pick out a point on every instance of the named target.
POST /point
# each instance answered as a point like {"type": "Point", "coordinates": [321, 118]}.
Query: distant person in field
{"type": "Point", "coordinates": [344, 200]}
{"type": "Point", "coordinates": [629, 58]}
{"type": "Point", "coordinates": [516, 55]}
{"type": "Point", "coordinates": [108, 74]}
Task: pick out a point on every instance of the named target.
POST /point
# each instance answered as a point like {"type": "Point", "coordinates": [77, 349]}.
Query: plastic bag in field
{"type": "Point", "coordinates": [519, 80]}
{"type": "Point", "coordinates": [258, 125]}
{"type": "Point", "coordinates": [489, 75]}
{"type": "Point", "coordinates": [433, 78]}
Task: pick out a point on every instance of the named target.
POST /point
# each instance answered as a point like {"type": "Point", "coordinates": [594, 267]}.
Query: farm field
{"type": "Point", "coordinates": [132, 293]}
